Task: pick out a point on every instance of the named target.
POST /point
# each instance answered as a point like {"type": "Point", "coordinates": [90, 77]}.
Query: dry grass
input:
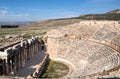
{"type": "Point", "coordinates": [34, 29]}
{"type": "Point", "coordinates": [38, 28]}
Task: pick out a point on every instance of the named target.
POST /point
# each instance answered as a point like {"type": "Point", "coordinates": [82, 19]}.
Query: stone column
{"type": "Point", "coordinates": [4, 67]}
{"type": "Point", "coordinates": [36, 47]}
{"type": "Point", "coordinates": [30, 51]}
{"type": "Point", "coordinates": [24, 59]}
{"type": "Point", "coordinates": [10, 64]}
{"type": "Point", "coordinates": [33, 49]}
{"type": "Point", "coordinates": [22, 53]}
{"type": "Point", "coordinates": [27, 52]}
{"type": "Point", "coordinates": [19, 59]}
{"type": "Point", "coordinates": [15, 63]}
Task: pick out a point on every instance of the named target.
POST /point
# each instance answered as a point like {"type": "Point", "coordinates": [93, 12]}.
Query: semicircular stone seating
{"type": "Point", "coordinates": [91, 47]}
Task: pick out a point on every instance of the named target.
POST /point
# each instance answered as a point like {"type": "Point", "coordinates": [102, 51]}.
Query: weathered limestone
{"type": "Point", "coordinates": [40, 68]}
{"type": "Point", "coordinates": [91, 46]}
{"type": "Point", "coordinates": [14, 56]}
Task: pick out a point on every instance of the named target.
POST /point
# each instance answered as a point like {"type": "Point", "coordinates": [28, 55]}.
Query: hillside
{"type": "Point", "coordinates": [112, 15]}
{"type": "Point", "coordinates": [54, 22]}
{"type": "Point", "coordinates": [101, 17]}
{"type": "Point", "coordinates": [114, 11]}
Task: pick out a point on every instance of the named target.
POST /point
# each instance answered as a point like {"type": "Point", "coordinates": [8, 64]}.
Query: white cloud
{"type": "Point", "coordinates": [6, 13]}
{"type": "Point", "coordinates": [18, 15]}
{"type": "Point", "coordinates": [3, 8]}
{"type": "Point", "coordinates": [3, 12]}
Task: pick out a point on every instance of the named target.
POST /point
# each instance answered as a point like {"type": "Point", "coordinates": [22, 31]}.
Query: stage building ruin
{"type": "Point", "coordinates": [15, 56]}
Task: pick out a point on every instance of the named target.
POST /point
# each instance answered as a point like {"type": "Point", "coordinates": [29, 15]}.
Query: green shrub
{"type": "Point", "coordinates": [26, 36]}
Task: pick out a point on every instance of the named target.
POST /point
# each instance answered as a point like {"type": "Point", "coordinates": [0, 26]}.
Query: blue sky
{"type": "Point", "coordinates": [33, 10]}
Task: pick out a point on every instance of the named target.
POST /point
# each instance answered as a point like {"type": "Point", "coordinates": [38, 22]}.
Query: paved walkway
{"type": "Point", "coordinates": [31, 65]}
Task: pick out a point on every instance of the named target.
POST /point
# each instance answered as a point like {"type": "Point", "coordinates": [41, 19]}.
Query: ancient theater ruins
{"type": "Point", "coordinates": [89, 48]}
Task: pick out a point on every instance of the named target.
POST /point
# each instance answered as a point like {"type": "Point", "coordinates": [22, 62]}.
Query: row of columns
{"type": "Point", "coordinates": [17, 55]}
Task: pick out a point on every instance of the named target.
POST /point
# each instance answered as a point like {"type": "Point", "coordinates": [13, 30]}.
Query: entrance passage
{"type": "Point", "coordinates": [54, 69]}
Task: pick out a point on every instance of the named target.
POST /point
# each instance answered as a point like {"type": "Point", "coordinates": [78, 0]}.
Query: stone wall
{"type": "Point", "coordinates": [15, 56]}
{"type": "Point", "coordinates": [40, 68]}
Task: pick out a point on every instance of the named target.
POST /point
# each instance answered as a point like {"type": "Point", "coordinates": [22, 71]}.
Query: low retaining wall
{"type": "Point", "coordinates": [40, 68]}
